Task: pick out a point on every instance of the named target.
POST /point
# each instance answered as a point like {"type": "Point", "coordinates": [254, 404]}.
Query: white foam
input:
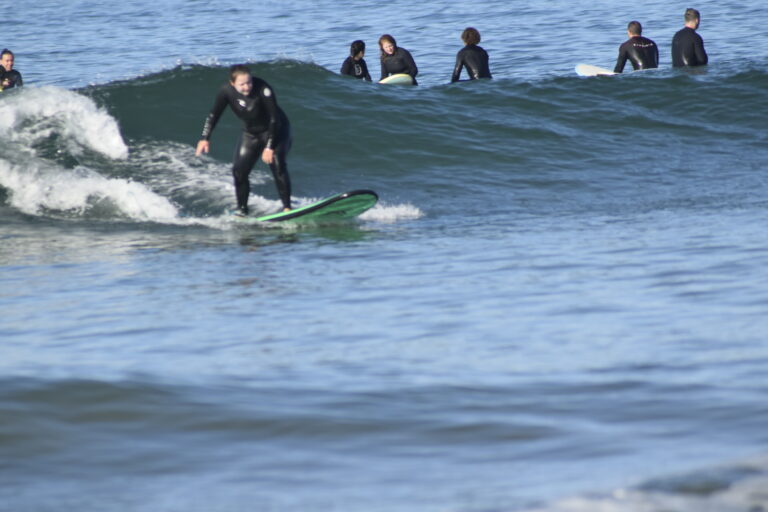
{"type": "Point", "coordinates": [34, 112]}
{"type": "Point", "coordinates": [391, 213]}
{"type": "Point", "coordinates": [41, 187]}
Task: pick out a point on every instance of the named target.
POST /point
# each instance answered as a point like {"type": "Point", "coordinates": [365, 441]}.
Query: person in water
{"type": "Point", "coordinates": [355, 64]}
{"type": "Point", "coordinates": [640, 51]}
{"type": "Point", "coordinates": [396, 60]}
{"type": "Point", "coordinates": [9, 77]}
{"type": "Point", "coordinates": [687, 45]}
{"type": "Point", "coordinates": [471, 57]}
{"type": "Point", "coordinates": [266, 133]}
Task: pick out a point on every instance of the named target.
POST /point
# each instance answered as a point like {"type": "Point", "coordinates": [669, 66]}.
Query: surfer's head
{"type": "Point", "coordinates": [692, 18]}
{"type": "Point", "coordinates": [240, 78]}
{"type": "Point", "coordinates": [356, 49]}
{"type": "Point", "coordinates": [6, 59]}
{"type": "Point", "coordinates": [634, 28]}
{"type": "Point", "coordinates": [470, 36]}
{"type": "Point", "coordinates": [387, 44]}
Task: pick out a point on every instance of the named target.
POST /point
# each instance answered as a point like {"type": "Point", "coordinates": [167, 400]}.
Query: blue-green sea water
{"type": "Point", "coordinates": [560, 303]}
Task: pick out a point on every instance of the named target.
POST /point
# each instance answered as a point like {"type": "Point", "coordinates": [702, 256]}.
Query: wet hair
{"type": "Point", "coordinates": [635, 28]}
{"type": "Point", "coordinates": [356, 47]}
{"type": "Point", "coordinates": [470, 36]}
{"type": "Point", "coordinates": [238, 69]}
{"type": "Point", "coordinates": [388, 38]}
{"type": "Point", "coordinates": [692, 15]}
{"type": "Point", "coordinates": [6, 50]}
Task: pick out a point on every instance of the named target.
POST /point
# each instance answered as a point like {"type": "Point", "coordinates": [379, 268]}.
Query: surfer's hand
{"type": "Point", "coordinates": [203, 146]}
{"type": "Point", "coordinates": [268, 155]}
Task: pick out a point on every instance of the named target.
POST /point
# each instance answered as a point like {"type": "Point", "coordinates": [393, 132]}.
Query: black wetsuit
{"type": "Point", "coordinates": [355, 68]}
{"type": "Point", "coordinates": [266, 126]}
{"type": "Point", "coordinates": [688, 49]}
{"type": "Point", "coordinates": [13, 76]}
{"type": "Point", "coordinates": [641, 52]}
{"type": "Point", "coordinates": [475, 59]}
{"type": "Point", "coordinates": [399, 62]}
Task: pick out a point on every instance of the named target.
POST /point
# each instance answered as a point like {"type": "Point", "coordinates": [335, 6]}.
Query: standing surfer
{"type": "Point", "coordinates": [266, 133]}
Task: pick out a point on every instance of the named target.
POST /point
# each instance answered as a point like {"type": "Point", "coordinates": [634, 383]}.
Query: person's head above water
{"type": "Point", "coordinates": [692, 18]}
{"type": "Point", "coordinates": [240, 78]}
{"type": "Point", "coordinates": [634, 28]}
{"type": "Point", "coordinates": [470, 36]}
{"type": "Point", "coordinates": [356, 48]}
{"type": "Point", "coordinates": [387, 44]}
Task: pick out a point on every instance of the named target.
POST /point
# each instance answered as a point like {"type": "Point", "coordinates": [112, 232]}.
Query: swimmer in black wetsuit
{"type": "Point", "coordinates": [355, 64]}
{"type": "Point", "coordinates": [687, 45]}
{"type": "Point", "coordinates": [472, 57]}
{"type": "Point", "coordinates": [267, 133]}
{"type": "Point", "coordinates": [396, 60]}
{"type": "Point", "coordinates": [641, 51]}
{"type": "Point", "coordinates": [9, 77]}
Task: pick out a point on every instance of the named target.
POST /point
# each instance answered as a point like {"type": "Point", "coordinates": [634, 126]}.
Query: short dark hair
{"type": "Point", "coordinates": [635, 28]}
{"type": "Point", "coordinates": [692, 15]}
{"type": "Point", "coordinates": [470, 36]}
{"type": "Point", "coordinates": [356, 47]}
{"type": "Point", "coordinates": [6, 50]}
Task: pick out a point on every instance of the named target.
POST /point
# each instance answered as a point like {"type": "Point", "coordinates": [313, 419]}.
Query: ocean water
{"type": "Point", "coordinates": [560, 303]}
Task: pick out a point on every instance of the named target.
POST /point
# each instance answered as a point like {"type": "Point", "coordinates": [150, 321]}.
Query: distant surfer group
{"type": "Point", "coordinates": [643, 53]}
{"type": "Point", "coordinates": [399, 61]}
{"type": "Point", "coordinates": [267, 131]}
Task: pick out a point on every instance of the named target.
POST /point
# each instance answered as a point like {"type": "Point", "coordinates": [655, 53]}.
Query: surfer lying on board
{"type": "Point", "coordinates": [472, 57]}
{"type": "Point", "coordinates": [266, 133]}
{"type": "Point", "coordinates": [395, 60]}
{"type": "Point", "coordinates": [641, 51]}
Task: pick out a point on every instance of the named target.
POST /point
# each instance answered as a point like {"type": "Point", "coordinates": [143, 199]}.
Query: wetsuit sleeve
{"type": "Point", "coordinates": [269, 102]}
{"type": "Point", "coordinates": [219, 104]}
{"type": "Point", "coordinates": [20, 82]}
{"type": "Point", "coordinates": [346, 67]}
{"type": "Point", "coordinates": [383, 70]}
{"type": "Point", "coordinates": [410, 63]}
{"type": "Point", "coordinates": [622, 60]}
{"type": "Point", "coordinates": [698, 49]}
{"type": "Point", "coordinates": [366, 74]}
{"type": "Point", "coordinates": [457, 68]}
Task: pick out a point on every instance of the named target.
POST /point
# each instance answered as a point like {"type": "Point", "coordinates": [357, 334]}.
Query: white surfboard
{"type": "Point", "coordinates": [590, 70]}
{"type": "Point", "coordinates": [399, 78]}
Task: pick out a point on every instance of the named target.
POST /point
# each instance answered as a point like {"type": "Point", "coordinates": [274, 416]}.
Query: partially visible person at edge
{"type": "Point", "coordinates": [687, 45]}
{"type": "Point", "coordinates": [266, 133]}
{"type": "Point", "coordinates": [396, 60]}
{"type": "Point", "coordinates": [355, 64]}
{"type": "Point", "coordinates": [640, 51]}
{"type": "Point", "coordinates": [471, 57]}
{"type": "Point", "coordinates": [9, 77]}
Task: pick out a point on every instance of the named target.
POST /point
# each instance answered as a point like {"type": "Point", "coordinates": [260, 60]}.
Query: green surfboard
{"type": "Point", "coordinates": [346, 205]}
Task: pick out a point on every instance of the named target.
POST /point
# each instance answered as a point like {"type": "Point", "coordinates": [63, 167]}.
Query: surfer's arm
{"type": "Point", "coordinates": [698, 49]}
{"type": "Point", "coordinates": [219, 104]}
{"type": "Point", "coordinates": [270, 105]}
{"type": "Point", "coordinates": [457, 68]}
{"type": "Point", "coordinates": [621, 61]}
{"type": "Point", "coordinates": [413, 70]}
